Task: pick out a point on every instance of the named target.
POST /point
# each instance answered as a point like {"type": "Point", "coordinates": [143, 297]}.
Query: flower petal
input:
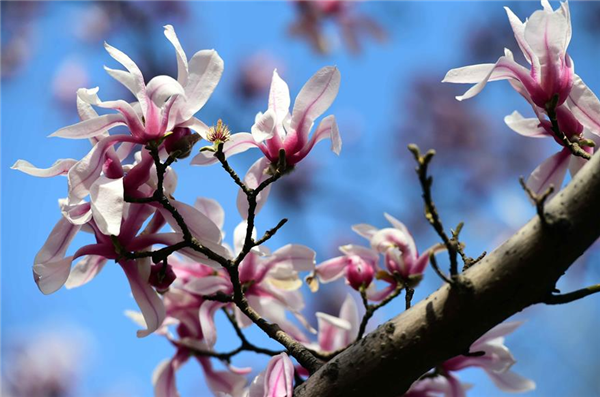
{"type": "Point", "coordinates": [550, 172]}
{"type": "Point", "coordinates": [264, 126]}
{"type": "Point", "coordinates": [107, 202]}
{"type": "Point", "coordinates": [527, 127]}
{"type": "Point", "coordinates": [207, 321]}
{"type": "Point", "coordinates": [163, 377]}
{"type": "Point", "coordinates": [298, 257]}
{"type": "Point", "coordinates": [212, 209]}
{"type": "Point", "coordinates": [331, 269]}
{"type": "Point", "coordinates": [138, 273]}
{"type": "Point", "coordinates": [585, 105]}
{"type": "Point", "coordinates": [182, 64]}
{"type": "Point", "coordinates": [313, 100]}
{"type": "Point", "coordinates": [279, 377]}
{"type": "Point", "coordinates": [90, 128]}
{"type": "Point", "coordinates": [279, 98]}
{"type": "Point", "coordinates": [511, 382]}
{"type": "Point", "coordinates": [60, 167]}
{"type": "Point", "coordinates": [85, 270]}
{"type": "Point", "coordinates": [205, 70]}
{"type": "Point", "coordinates": [137, 84]}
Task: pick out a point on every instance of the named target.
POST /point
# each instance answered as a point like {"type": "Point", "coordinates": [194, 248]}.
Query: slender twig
{"type": "Point", "coordinates": [538, 199]}
{"type": "Point", "coordinates": [219, 155]}
{"type": "Point", "coordinates": [371, 309]}
{"type": "Point", "coordinates": [437, 270]}
{"type": "Point", "coordinates": [408, 298]}
{"type": "Point", "coordinates": [271, 232]}
{"type": "Point", "coordinates": [431, 212]}
{"type": "Point", "coordinates": [559, 299]}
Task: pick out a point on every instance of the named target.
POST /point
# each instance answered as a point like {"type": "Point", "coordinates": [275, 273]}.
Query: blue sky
{"type": "Point", "coordinates": [554, 347]}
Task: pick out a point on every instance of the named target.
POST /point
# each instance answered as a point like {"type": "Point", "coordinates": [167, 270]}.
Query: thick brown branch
{"type": "Point", "coordinates": [519, 273]}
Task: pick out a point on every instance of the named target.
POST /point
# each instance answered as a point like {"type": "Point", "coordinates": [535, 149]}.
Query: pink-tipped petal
{"type": "Point", "coordinates": [279, 377]}
{"type": "Point", "coordinates": [298, 257]}
{"type": "Point", "coordinates": [585, 105]}
{"type": "Point", "coordinates": [550, 172]}
{"type": "Point", "coordinates": [85, 270]}
{"type": "Point", "coordinates": [207, 321]}
{"type": "Point", "coordinates": [264, 126]}
{"type": "Point", "coordinates": [138, 273]}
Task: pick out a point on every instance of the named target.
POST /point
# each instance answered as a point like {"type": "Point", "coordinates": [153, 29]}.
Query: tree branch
{"type": "Point", "coordinates": [521, 272]}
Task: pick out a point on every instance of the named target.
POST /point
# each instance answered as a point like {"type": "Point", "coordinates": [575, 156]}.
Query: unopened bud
{"type": "Point", "coordinates": [181, 142]}
{"type": "Point", "coordinates": [161, 276]}
{"type": "Point", "coordinates": [359, 274]}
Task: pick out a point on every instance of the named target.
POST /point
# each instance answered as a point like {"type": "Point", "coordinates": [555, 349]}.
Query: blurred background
{"type": "Point", "coordinates": [392, 57]}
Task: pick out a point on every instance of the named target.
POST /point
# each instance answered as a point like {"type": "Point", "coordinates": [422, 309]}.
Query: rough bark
{"type": "Point", "coordinates": [519, 273]}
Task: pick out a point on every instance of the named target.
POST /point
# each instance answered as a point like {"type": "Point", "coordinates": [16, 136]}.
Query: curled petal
{"type": "Point", "coordinates": [279, 377]}
{"type": "Point", "coordinates": [207, 321]}
{"type": "Point", "coordinates": [85, 270]}
{"type": "Point", "coordinates": [60, 167]}
{"type": "Point", "coordinates": [585, 105]}
{"type": "Point", "coordinates": [182, 64]}
{"type": "Point", "coordinates": [50, 276]}
{"type": "Point", "coordinates": [349, 312]}
{"type": "Point", "coordinates": [332, 332]}
{"type": "Point", "coordinates": [527, 127]}
{"type": "Point", "coordinates": [163, 377]}
{"type": "Point", "coordinates": [83, 174]}
{"type": "Point", "coordinates": [264, 126]}
{"type": "Point", "coordinates": [511, 382]}
{"type": "Point", "coordinates": [550, 172]}
{"type": "Point", "coordinates": [160, 88]}
{"type": "Point", "coordinates": [137, 85]}
{"type": "Point", "coordinates": [365, 230]}
{"type": "Point", "coordinates": [153, 310]}
{"type": "Point", "coordinates": [327, 129]}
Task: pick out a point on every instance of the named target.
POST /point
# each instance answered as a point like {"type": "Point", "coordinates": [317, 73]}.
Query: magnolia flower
{"type": "Point", "coordinates": [272, 286]}
{"type": "Point", "coordinates": [276, 381]}
{"type": "Point", "coordinates": [182, 311]}
{"type": "Point", "coordinates": [401, 256]}
{"type": "Point", "coordinates": [335, 333]}
{"type": "Point", "coordinates": [162, 105]}
{"type": "Point", "coordinates": [543, 39]}
{"type": "Point", "coordinates": [277, 130]}
{"type": "Point", "coordinates": [358, 264]}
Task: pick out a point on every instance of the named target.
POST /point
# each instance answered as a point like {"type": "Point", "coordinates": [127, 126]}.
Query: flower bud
{"type": "Point", "coordinates": [359, 273]}
{"type": "Point", "coordinates": [181, 142]}
{"type": "Point", "coordinates": [161, 276]}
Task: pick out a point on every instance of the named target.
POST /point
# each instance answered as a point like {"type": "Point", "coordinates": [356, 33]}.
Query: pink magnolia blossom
{"type": "Point", "coordinates": [398, 247]}
{"type": "Point", "coordinates": [277, 130]}
{"type": "Point", "coordinates": [162, 105]}
{"type": "Point", "coordinates": [543, 39]}
{"type": "Point", "coordinates": [272, 286]}
{"type": "Point", "coordinates": [276, 381]}
{"type": "Point", "coordinates": [182, 311]}
{"type": "Point", "coordinates": [358, 265]}
{"type": "Point", "coordinates": [437, 386]}
{"type": "Point", "coordinates": [335, 333]}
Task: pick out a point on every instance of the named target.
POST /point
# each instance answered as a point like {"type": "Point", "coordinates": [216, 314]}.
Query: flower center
{"type": "Point", "coordinates": [218, 133]}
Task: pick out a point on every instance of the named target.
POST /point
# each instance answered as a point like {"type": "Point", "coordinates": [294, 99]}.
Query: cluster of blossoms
{"type": "Point", "coordinates": [121, 193]}
{"type": "Point", "coordinates": [565, 108]}
{"type": "Point", "coordinates": [403, 266]}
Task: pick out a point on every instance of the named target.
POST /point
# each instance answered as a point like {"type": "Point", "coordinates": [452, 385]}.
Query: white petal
{"type": "Point", "coordinates": [85, 270]}
{"type": "Point", "coordinates": [60, 167]}
{"type": "Point", "coordinates": [182, 64]}
{"type": "Point", "coordinates": [107, 200]}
